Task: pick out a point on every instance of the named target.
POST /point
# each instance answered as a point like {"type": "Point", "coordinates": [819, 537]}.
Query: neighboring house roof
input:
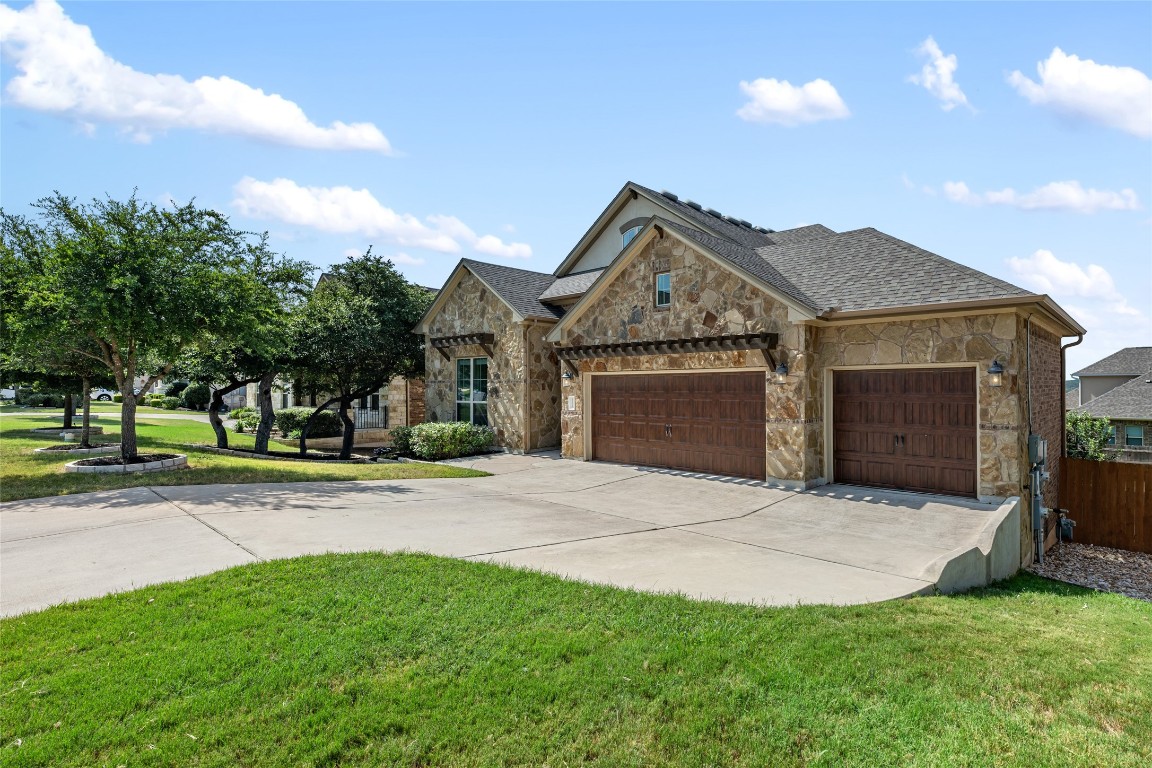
{"type": "Point", "coordinates": [868, 269]}
{"type": "Point", "coordinates": [1072, 397]}
{"type": "Point", "coordinates": [1132, 400]}
{"type": "Point", "coordinates": [570, 285]}
{"type": "Point", "coordinates": [519, 288]}
{"type": "Point", "coordinates": [1130, 361]}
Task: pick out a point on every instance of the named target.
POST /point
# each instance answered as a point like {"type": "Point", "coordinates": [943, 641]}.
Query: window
{"type": "Point", "coordinates": [472, 390]}
{"type": "Point", "coordinates": [1134, 435]}
{"type": "Point", "coordinates": [630, 233]}
{"type": "Point", "coordinates": [375, 402]}
{"type": "Point", "coordinates": [283, 399]}
{"type": "Point", "coordinates": [664, 289]}
{"type": "Point", "coordinates": [1112, 435]}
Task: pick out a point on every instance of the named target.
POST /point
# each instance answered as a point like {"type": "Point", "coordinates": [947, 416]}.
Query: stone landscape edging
{"type": "Point", "coordinates": [250, 455]}
{"type": "Point", "coordinates": [179, 462]}
{"type": "Point", "coordinates": [70, 430]}
{"type": "Point", "coordinates": [96, 449]}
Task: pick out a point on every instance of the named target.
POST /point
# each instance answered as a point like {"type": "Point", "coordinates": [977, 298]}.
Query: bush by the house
{"type": "Point", "coordinates": [196, 397]}
{"type": "Point", "coordinates": [247, 419]}
{"type": "Point", "coordinates": [40, 400]}
{"type": "Point", "coordinates": [402, 440]}
{"type": "Point", "coordinates": [238, 412]}
{"type": "Point", "coordinates": [170, 403]}
{"type": "Point", "coordinates": [292, 420]}
{"type": "Point", "coordinates": [1087, 436]}
{"type": "Point", "coordinates": [176, 388]}
{"type": "Point", "coordinates": [153, 399]}
{"type": "Point", "coordinates": [447, 440]}
{"type": "Point", "coordinates": [117, 398]}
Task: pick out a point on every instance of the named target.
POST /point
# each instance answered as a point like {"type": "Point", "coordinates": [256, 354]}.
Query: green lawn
{"type": "Point", "coordinates": [408, 660]}
{"type": "Point", "coordinates": [101, 409]}
{"type": "Point", "coordinates": [24, 474]}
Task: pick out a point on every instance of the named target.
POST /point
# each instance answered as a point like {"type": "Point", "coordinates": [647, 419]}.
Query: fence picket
{"type": "Point", "coordinates": [1111, 502]}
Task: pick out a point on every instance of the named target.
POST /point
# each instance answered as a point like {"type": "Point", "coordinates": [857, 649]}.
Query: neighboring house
{"type": "Point", "coordinates": [674, 336]}
{"type": "Point", "coordinates": [1129, 408]}
{"type": "Point", "coordinates": [1111, 372]}
{"type": "Point", "coordinates": [399, 403]}
{"type": "Point", "coordinates": [1071, 395]}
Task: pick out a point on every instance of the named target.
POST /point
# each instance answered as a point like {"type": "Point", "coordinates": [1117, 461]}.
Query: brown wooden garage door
{"type": "Point", "coordinates": [908, 429]}
{"type": "Point", "coordinates": [700, 422]}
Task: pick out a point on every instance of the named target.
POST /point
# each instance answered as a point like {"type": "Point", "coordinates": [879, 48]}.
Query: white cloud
{"type": "Point", "coordinates": [396, 258]}
{"type": "Point", "coordinates": [778, 101]}
{"type": "Point", "coordinates": [1068, 196]}
{"type": "Point", "coordinates": [1044, 273]}
{"type": "Point", "coordinates": [1120, 97]}
{"type": "Point", "coordinates": [936, 76]}
{"type": "Point", "coordinates": [64, 72]}
{"type": "Point", "coordinates": [356, 211]}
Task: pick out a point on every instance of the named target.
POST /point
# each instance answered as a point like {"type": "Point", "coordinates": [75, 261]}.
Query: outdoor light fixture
{"type": "Point", "coordinates": [996, 374]}
{"type": "Point", "coordinates": [782, 373]}
{"type": "Point", "coordinates": [566, 375]}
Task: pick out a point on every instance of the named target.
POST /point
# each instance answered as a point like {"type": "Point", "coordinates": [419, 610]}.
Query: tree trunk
{"type": "Point", "coordinates": [264, 431]}
{"type": "Point", "coordinates": [214, 417]}
{"type": "Point", "coordinates": [308, 425]}
{"type": "Point", "coordinates": [69, 411]}
{"type": "Point", "coordinates": [128, 422]}
{"type": "Point", "coordinates": [349, 429]}
{"type": "Point", "coordinates": [85, 432]}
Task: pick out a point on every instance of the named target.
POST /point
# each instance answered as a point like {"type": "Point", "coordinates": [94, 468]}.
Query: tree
{"type": "Point", "coordinates": [56, 368]}
{"type": "Point", "coordinates": [1087, 437]}
{"type": "Point", "coordinates": [354, 334]}
{"type": "Point", "coordinates": [139, 283]}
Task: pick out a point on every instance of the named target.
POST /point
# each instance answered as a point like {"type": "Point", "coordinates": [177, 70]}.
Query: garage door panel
{"type": "Point", "coordinates": [697, 422]}
{"type": "Point", "coordinates": [912, 429]}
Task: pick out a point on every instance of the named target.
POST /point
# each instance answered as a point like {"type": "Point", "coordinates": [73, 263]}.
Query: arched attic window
{"type": "Point", "coordinates": [629, 230]}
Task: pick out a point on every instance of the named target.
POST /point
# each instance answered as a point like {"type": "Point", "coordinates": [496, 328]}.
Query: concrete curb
{"type": "Point", "coordinates": [995, 556]}
{"type": "Point", "coordinates": [180, 462]}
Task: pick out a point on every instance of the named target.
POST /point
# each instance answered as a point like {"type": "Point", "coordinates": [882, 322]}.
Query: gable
{"type": "Point", "coordinates": [607, 242]}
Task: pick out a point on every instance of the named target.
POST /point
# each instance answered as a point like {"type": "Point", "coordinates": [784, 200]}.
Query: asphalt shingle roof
{"type": "Point", "coordinates": [867, 269]}
{"type": "Point", "coordinates": [571, 285]}
{"type": "Point", "coordinates": [521, 288]}
{"type": "Point", "coordinates": [1129, 361]}
{"type": "Point", "coordinates": [799, 234]}
{"type": "Point", "coordinates": [1130, 400]}
{"type": "Point", "coordinates": [737, 233]}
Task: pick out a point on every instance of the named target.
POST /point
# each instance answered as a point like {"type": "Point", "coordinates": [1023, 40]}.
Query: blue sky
{"type": "Point", "coordinates": [499, 131]}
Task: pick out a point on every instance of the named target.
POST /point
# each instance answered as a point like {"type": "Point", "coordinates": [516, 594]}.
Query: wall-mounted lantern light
{"type": "Point", "coordinates": [567, 375]}
{"type": "Point", "coordinates": [782, 373]}
{"type": "Point", "coordinates": [995, 374]}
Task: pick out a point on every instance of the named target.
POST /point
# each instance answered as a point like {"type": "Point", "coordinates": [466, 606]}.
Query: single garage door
{"type": "Point", "coordinates": [908, 429]}
{"type": "Point", "coordinates": [699, 422]}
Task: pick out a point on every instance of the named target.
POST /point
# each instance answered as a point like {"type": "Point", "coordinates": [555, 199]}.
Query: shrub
{"type": "Point", "coordinates": [247, 419]}
{"type": "Point", "coordinates": [175, 388]}
{"type": "Point", "coordinates": [447, 440]}
{"type": "Point", "coordinates": [41, 400]}
{"type": "Point", "coordinates": [239, 412]}
{"type": "Point", "coordinates": [170, 403]}
{"type": "Point", "coordinates": [402, 440]}
{"type": "Point", "coordinates": [327, 424]}
{"type": "Point", "coordinates": [196, 397]}
{"type": "Point", "coordinates": [117, 398]}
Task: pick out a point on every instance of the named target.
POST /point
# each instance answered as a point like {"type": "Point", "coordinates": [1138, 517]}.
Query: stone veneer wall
{"type": "Point", "coordinates": [472, 308]}
{"type": "Point", "coordinates": [543, 389]}
{"type": "Point", "coordinates": [707, 300]}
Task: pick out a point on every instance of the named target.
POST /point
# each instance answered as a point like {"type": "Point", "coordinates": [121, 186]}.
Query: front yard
{"type": "Point", "coordinates": [24, 474]}
{"type": "Point", "coordinates": [411, 660]}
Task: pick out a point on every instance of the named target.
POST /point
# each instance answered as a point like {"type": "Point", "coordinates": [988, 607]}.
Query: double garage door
{"type": "Point", "coordinates": [698, 422]}
{"type": "Point", "coordinates": [908, 429]}
{"type": "Point", "coordinates": [905, 429]}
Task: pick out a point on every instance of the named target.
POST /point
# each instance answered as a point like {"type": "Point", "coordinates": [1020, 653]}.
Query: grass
{"type": "Point", "coordinates": [97, 407]}
{"type": "Point", "coordinates": [25, 475]}
{"type": "Point", "coordinates": [410, 660]}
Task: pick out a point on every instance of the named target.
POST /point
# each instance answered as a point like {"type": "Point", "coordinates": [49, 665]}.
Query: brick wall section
{"type": "Point", "coordinates": [416, 407]}
{"type": "Point", "coordinates": [1047, 418]}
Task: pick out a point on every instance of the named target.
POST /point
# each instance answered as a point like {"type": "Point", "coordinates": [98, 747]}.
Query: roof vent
{"type": "Point", "coordinates": [669, 195]}
{"type": "Point", "coordinates": [694, 205]}
{"type": "Point", "coordinates": [713, 212]}
{"type": "Point", "coordinates": [762, 230]}
{"type": "Point", "coordinates": [744, 223]}
{"type": "Point", "coordinates": [732, 220]}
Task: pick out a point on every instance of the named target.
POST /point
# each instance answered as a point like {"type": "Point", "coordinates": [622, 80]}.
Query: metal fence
{"type": "Point", "coordinates": [370, 418]}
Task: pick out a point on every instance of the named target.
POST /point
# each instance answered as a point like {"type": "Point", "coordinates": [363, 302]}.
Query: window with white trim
{"type": "Point", "coordinates": [664, 289]}
{"type": "Point", "coordinates": [472, 390]}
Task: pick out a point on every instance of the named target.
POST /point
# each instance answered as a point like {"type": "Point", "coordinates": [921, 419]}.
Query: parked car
{"type": "Point", "coordinates": [104, 395]}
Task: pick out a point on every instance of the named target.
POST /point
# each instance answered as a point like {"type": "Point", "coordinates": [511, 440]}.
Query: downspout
{"type": "Point", "coordinates": [1064, 397]}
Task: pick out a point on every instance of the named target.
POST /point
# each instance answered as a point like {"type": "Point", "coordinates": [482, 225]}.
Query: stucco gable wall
{"type": "Point", "coordinates": [472, 308]}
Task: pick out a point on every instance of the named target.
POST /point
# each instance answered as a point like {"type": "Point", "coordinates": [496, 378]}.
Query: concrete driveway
{"type": "Point", "coordinates": [656, 530]}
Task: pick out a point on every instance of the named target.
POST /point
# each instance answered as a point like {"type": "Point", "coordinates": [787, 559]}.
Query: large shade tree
{"type": "Point", "coordinates": [354, 334]}
{"type": "Point", "coordinates": [139, 283]}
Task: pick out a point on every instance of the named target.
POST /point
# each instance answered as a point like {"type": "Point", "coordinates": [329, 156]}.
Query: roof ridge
{"type": "Point", "coordinates": [997, 282]}
{"type": "Point", "coordinates": [505, 266]}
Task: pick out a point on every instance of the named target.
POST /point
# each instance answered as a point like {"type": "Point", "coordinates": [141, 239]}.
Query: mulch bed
{"type": "Point", "coordinates": [310, 456]}
{"type": "Point", "coordinates": [1101, 568]}
{"type": "Point", "coordinates": [74, 446]}
{"type": "Point", "coordinates": [116, 461]}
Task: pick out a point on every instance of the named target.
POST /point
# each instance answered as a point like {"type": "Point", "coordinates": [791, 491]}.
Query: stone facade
{"type": "Point", "coordinates": [523, 371]}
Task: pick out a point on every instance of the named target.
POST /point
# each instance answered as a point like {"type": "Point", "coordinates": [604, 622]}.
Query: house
{"type": "Point", "coordinates": [675, 336]}
{"type": "Point", "coordinates": [1113, 371]}
{"type": "Point", "coordinates": [1129, 409]}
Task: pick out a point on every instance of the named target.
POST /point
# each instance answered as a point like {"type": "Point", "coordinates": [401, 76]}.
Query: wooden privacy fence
{"type": "Point", "coordinates": [1111, 502]}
